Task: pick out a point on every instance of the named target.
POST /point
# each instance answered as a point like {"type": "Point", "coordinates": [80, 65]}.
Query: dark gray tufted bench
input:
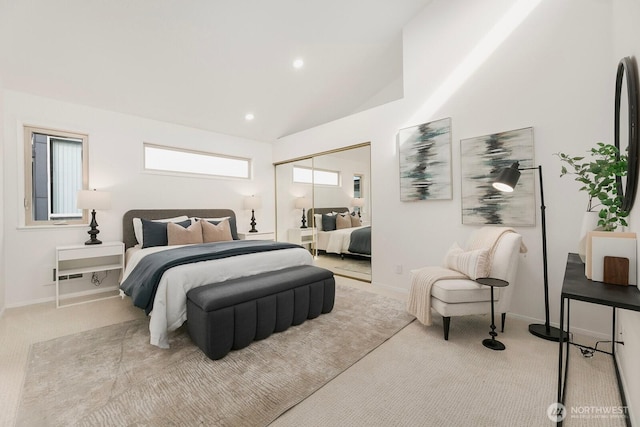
{"type": "Point", "coordinates": [232, 314]}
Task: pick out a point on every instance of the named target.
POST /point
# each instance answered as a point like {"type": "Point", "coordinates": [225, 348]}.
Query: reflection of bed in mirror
{"type": "Point", "coordinates": [340, 232]}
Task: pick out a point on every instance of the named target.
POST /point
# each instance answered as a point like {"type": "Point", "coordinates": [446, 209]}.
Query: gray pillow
{"type": "Point", "coordinates": [328, 222]}
{"type": "Point", "coordinates": [155, 233]}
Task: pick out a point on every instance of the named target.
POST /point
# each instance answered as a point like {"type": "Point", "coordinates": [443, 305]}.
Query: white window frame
{"type": "Point", "coordinates": [186, 172]}
{"type": "Point", "coordinates": [29, 130]}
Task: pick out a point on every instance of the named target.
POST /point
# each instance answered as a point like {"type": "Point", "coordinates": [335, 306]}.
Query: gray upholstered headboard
{"type": "Point", "coordinates": [312, 211]}
{"type": "Point", "coordinates": [129, 238]}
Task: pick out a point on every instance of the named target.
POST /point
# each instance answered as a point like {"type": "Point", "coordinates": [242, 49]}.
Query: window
{"type": "Point", "coordinates": [56, 168]}
{"type": "Point", "coordinates": [166, 159]}
{"type": "Point", "coordinates": [357, 186]}
{"type": "Point", "coordinates": [304, 175]}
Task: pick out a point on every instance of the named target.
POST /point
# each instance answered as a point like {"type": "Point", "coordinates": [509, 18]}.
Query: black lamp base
{"type": "Point", "coordinates": [548, 333]}
{"type": "Point", "coordinates": [253, 223]}
{"type": "Point", "coordinates": [493, 344]}
{"type": "Point", "coordinates": [94, 230]}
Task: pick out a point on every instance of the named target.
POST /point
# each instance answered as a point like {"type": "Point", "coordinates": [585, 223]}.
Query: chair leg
{"type": "Point", "coordinates": [504, 317]}
{"type": "Point", "coordinates": [446, 321]}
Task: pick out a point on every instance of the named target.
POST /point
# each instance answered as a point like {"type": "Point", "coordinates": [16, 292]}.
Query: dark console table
{"type": "Point", "coordinates": [577, 287]}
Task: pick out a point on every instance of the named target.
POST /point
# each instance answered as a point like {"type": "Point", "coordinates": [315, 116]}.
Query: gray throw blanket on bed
{"type": "Point", "coordinates": [142, 282]}
{"type": "Point", "coordinates": [361, 241]}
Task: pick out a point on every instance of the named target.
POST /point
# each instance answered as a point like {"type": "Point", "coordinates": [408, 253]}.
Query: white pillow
{"type": "Point", "coordinates": [317, 220]}
{"type": "Point", "coordinates": [473, 264]}
{"type": "Point", "coordinates": [212, 219]}
{"type": "Point", "coordinates": [137, 225]}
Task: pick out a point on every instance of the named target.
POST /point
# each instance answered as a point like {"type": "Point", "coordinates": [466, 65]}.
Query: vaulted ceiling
{"type": "Point", "coordinates": [207, 63]}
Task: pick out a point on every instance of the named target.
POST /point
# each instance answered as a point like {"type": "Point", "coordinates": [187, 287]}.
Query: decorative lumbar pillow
{"type": "Point", "coordinates": [470, 263]}
{"type": "Point", "coordinates": [232, 224]}
{"type": "Point", "coordinates": [220, 232]}
{"type": "Point", "coordinates": [178, 235]}
{"type": "Point", "coordinates": [328, 222]}
{"type": "Point", "coordinates": [355, 221]}
{"type": "Point", "coordinates": [343, 221]}
{"type": "Point", "coordinates": [137, 226]}
{"type": "Point", "coordinates": [155, 233]}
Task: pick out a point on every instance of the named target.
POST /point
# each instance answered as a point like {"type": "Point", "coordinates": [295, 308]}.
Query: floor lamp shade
{"type": "Point", "coordinates": [506, 181]}
{"type": "Point", "coordinates": [92, 199]}
{"type": "Point", "coordinates": [508, 178]}
{"type": "Point", "coordinates": [253, 203]}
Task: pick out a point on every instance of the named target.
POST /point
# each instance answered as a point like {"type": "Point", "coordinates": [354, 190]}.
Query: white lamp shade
{"type": "Point", "coordinates": [92, 199]}
{"type": "Point", "coordinates": [357, 202]}
{"type": "Point", "coordinates": [252, 202]}
{"type": "Point", "coordinates": [303, 203]}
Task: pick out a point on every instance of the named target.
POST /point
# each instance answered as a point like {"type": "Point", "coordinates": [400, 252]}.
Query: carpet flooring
{"type": "Point", "coordinates": [112, 376]}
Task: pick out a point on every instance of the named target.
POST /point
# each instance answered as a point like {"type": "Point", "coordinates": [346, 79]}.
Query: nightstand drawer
{"type": "Point", "coordinates": [89, 251]}
{"type": "Point", "coordinates": [261, 235]}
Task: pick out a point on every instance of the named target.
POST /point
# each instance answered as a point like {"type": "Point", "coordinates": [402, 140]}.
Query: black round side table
{"type": "Point", "coordinates": [492, 342]}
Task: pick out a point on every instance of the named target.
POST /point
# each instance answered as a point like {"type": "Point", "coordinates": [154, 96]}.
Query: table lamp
{"type": "Point", "coordinates": [252, 202]}
{"type": "Point", "coordinates": [303, 203]}
{"type": "Point", "coordinates": [92, 199]}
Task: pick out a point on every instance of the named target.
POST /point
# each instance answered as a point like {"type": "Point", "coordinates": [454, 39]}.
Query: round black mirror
{"type": "Point", "coordinates": [627, 71]}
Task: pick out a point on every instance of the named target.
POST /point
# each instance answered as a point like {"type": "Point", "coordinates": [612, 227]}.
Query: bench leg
{"type": "Point", "coordinates": [504, 317]}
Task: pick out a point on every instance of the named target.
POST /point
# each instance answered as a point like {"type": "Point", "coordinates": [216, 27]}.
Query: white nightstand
{"type": "Point", "coordinates": [80, 259]}
{"type": "Point", "coordinates": [260, 235]}
{"type": "Point", "coordinates": [301, 236]}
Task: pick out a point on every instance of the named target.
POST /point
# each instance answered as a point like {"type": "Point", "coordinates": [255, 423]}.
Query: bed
{"type": "Point", "coordinates": [353, 239]}
{"type": "Point", "coordinates": [216, 262]}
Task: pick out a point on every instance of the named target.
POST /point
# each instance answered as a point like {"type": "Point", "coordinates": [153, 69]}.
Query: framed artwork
{"type": "Point", "coordinates": [482, 158]}
{"type": "Point", "coordinates": [425, 161]}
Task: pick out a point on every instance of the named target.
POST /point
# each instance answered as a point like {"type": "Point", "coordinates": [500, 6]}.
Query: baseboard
{"type": "Point", "coordinates": [579, 331]}
{"type": "Point", "coordinates": [63, 297]}
{"type": "Point", "coordinates": [391, 288]}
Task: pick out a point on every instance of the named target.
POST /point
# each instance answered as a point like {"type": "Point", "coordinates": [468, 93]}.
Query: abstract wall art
{"type": "Point", "coordinates": [482, 158]}
{"type": "Point", "coordinates": [425, 161]}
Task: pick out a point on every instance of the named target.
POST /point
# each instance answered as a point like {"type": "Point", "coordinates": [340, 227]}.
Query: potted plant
{"type": "Point", "coordinates": [601, 176]}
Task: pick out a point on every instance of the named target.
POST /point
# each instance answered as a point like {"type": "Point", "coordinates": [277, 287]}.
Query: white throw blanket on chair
{"type": "Point", "coordinates": [419, 302]}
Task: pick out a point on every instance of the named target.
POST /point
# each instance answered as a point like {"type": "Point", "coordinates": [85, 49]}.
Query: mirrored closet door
{"type": "Point", "coordinates": [323, 203]}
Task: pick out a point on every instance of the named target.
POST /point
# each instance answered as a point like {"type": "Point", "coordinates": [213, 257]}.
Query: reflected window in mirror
{"type": "Point", "coordinates": [357, 192]}
{"type": "Point", "coordinates": [304, 175]}
{"type": "Point", "coordinates": [56, 168]}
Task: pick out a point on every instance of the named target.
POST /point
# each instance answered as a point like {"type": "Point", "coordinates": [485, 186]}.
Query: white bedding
{"type": "Point", "coordinates": [170, 303]}
{"type": "Point", "coordinates": [336, 241]}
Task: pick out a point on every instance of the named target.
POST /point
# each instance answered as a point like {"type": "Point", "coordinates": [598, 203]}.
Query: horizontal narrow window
{"type": "Point", "coordinates": [304, 175]}
{"type": "Point", "coordinates": [159, 158]}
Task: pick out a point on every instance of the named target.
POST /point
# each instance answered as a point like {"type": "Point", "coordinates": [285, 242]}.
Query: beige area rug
{"type": "Point", "coordinates": [112, 376]}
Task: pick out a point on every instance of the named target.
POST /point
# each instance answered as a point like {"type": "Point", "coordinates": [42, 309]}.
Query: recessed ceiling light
{"type": "Point", "coordinates": [298, 63]}
{"type": "Point", "coordinates": [249, 116]}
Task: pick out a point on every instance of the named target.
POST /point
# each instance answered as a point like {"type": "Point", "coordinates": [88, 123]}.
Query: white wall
{"type": "Point", "coordinates": [558, 80]}
{"type": "Point", "coordinates": [115, 165]}
{"type": "Point", "coordinates": [2, 204]}
{"type": "Point", "coordinates": [626, 42]}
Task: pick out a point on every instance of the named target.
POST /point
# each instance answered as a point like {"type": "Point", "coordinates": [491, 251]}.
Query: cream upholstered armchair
{"type": "Point", "coordinates": [451, 291]}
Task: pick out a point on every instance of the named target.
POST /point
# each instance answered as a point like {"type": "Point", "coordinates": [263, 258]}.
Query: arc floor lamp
{"type": "Point", "coordinates": [506, 182]}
